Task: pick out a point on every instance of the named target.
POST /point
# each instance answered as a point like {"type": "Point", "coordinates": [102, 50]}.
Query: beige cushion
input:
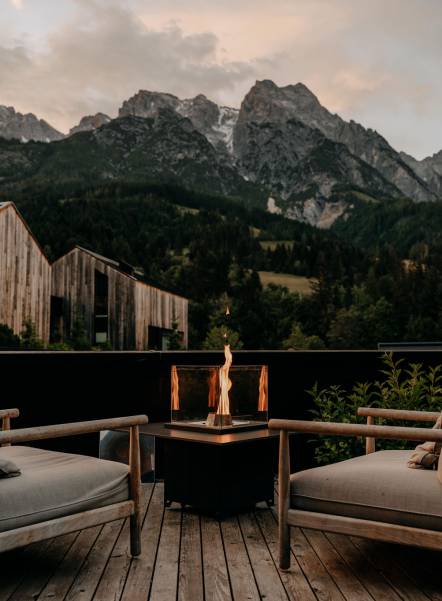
{"type": "Point", "coordinates": [376, 487]}
{"type": "Point", "coordinates": [426, 455]}
{"type": "Point", "coordinates": [57, 484]}
{"type": "Point", "coordinates": [8, 469]}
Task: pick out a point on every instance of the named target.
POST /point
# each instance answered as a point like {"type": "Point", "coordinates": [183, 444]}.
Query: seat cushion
{"type": "Point", "coordinates": [377, 487]}
{"type": "Point", "coordinates": [55, 484]}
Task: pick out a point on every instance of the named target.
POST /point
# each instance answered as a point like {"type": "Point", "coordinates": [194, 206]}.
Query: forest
{"type": "Point", "coordinates": [367, 288]}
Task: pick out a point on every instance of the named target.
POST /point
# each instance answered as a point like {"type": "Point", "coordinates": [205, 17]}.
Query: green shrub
{"type": "Point", "coordinates": [218, 336]}
{"type": "Point", "coordinates": [59, 346]}
{"type": "Point", "coordinates": [7, 337]}
{"type": "Point", "coordinates": [402, 386]}
{"type": "Point", "coordinates": [29, 337]}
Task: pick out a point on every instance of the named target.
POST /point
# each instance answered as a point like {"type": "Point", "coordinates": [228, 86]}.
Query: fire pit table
{"type": "Point", "coordinates": [217, 473]}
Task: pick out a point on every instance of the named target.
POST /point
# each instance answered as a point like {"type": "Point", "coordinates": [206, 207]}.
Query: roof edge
{"type": "Point", "coordinates": [9, 203]}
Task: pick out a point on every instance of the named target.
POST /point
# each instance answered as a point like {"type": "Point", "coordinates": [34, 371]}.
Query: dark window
{"type": "Point", "coordinates": [57, 314]}
{"type": "Point", "coordinates": [158, 338]}
{"type": "Point", "coordinates": [101, 308]}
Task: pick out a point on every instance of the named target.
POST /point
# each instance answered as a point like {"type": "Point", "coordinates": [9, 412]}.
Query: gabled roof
{"type": "Point", "coordinates": [9, 204]}
{"type": "Point", "coordinates": [117, 265]}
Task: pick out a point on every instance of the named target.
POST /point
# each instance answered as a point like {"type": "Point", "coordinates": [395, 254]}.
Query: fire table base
{"type": "Point", "coordinates": [220, 478]}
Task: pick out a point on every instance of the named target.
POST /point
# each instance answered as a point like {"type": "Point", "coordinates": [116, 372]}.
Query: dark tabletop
{"type": "Point", "coordinates": [160, 431]}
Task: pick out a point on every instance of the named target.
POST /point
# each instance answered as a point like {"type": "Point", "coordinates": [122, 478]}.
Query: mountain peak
{"type": "Point", "coordinates": [267, 101]}
{"type": "Point", "coordinates": [302, 90]}
{"type": "Point", "coordinates": [90, 122]}
{"type": "Point", "coordinates": [24, 127]}
{"type": "Point", "coordinates": [265, 84]}
{"type": "Point", "coordinates": [207, 117]}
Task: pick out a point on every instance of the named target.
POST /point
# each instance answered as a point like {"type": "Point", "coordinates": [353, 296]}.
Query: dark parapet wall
{"type": "Point", "coordinates": [57, 387]}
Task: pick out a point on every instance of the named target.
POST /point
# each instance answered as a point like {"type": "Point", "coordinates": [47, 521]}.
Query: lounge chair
{"type": "Point", "coordinates": [375, 496]}
{"type": "Point", "coordinates": [57, 493]}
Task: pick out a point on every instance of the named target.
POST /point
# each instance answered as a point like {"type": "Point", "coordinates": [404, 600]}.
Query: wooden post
{"type": "Point", "coordinates": [5, 416]}
{"type": "Point", "coordinates": [283, 501]}
{"type": "Point", "coordinates": [135, 491]}
{"type": "Point", "coordinates": [439, 471]}
{"type": "Point", "coordinates": [370, 443]}
{"type": "Point", "coordinates": [6, 425]}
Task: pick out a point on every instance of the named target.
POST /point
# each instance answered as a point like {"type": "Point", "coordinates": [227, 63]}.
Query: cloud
{"type": "Point", "coordinates": [17, 4]}
{"type": "Point", "coordinates": [376, 62]}
{"type": "Point", "coordinates": [105, 56]}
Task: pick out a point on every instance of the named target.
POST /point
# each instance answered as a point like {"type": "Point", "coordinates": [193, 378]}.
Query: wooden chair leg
{"type": "Point", "coordinates": [284, 546]}
{"type": "Point", "coordinates": [283, 501]}
{"type": "Point", "coordinates": [135, 536]}
{"type": "Point", "coordinates": [135, 491]}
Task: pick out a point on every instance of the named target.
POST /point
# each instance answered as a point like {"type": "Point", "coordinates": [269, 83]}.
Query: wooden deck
{"type": "Point", "coordinates": [194, 558]}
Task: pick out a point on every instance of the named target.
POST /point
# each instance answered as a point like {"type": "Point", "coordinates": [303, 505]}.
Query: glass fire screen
{"type": "Point", "coordinates": [197, 400]}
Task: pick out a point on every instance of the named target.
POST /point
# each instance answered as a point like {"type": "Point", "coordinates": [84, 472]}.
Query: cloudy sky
{"type": "Point", "coordinates": [376, 62]}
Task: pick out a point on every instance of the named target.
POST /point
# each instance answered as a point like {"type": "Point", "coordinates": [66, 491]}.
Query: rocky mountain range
{"type": "Point", "coordinates": [25, 127]}
{"type": "Point", "coordinates": [282, 148]}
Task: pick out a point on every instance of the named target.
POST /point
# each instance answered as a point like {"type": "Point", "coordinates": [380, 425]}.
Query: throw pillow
{"type": "Point", "coordinates": [8, 469]}
{"type": "Point", "coordinates": [426, 455]}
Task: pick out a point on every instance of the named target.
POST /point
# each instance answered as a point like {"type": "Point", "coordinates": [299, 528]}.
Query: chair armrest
{"type": "Point", "coordinates": [9, 413]}
{"type": "Point", "coordinates": [399, 414]}
{"type": "Point", "coordinates": [5, 419]}
{"type": "Point", "coordinates": [71, 429]}
{"type": "Point", "coordinates": [338, 429]}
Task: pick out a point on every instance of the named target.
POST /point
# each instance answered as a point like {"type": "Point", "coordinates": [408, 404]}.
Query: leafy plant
{"type": "Point", "coordinates": [175, 339]}
{"type": "Point", "coordinates": [217, 337]}
{"type": "Point", "coordinates": [7, 337]}
{"type": "Point", "coordinates": [79, 339]}
{"type": "Point", "coordinates": [298, 340]}
{"type": "Point", "coordinates": [403, 386]}
{"type": "Point", "coordinates": [29, 337]}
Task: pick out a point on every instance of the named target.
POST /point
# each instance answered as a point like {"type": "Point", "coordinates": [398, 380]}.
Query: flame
{"type": "Point", "coordinates": [175, 389]}
{"type": "Point", "coordinates": [213, 387]}
{"type": "Point", "coordinates": [225, 383]}
{"type": "Point", "coordinates": [263, 399]}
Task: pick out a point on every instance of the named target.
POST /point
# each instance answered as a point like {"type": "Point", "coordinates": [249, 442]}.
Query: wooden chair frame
{"type": "Point", "coordinates": [93, 517]}
{"type": "Point", "coordinates": [341, 524]}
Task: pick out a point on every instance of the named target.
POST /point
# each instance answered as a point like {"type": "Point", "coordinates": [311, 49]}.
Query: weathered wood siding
{"type": "Point", "coordinates": [25, 275]}
{"type": "Point", "coordinates": [155, 307]}
{"type": "Point", "coordinates": [73, 279]}
{"type": "Point", "coordinates": [133, 305]}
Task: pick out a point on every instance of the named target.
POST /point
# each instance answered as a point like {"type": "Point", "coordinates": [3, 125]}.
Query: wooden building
{"type": "Point", "coordinates": [25, 275]}
{"type": "Point", "coordinates": [113, 303]}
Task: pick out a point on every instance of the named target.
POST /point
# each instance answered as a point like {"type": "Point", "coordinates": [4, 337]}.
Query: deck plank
{"type": "Point", "coordinates": [241, 574]}
{"type": "Point", "coordinates": [266, 574]}
{"type": "Point", "coordinates": [372, 579]}
{"type": "Point", "coordinates": [380, 555]}
{"type": "Point", "coordinates": [294, 580]}
{"type": "Point", "coordinates": [423, 567]}
{"type": "Point", "coordinates": [190, 580]}
{"type": "Point", "coordinates": [58, 586]}
{"type": "Point", "coordinates": [140, 574]}
{"type": "Point", "coordinates": [114, 576]}
{"type": "Point", "coordinates": [40, 565]}
{"type": "Point", "coordinates": [194, 558]}
{"type": "Point", "coordinates": [320, 580]}
{"type": "Point", "coordinates": [86, 582]}
{"type": "Point", "coordinates": [165, 578]}
{"type": "Point", "coordinates": [350, 586]}
{"type": "Point", "coordinates": [216, 576]}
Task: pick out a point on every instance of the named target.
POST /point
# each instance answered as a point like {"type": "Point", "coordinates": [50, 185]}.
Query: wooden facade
{"type": "Point", "coordinates": [25, 275]}
{"type": "Point", "coordinates": [114, 305]}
